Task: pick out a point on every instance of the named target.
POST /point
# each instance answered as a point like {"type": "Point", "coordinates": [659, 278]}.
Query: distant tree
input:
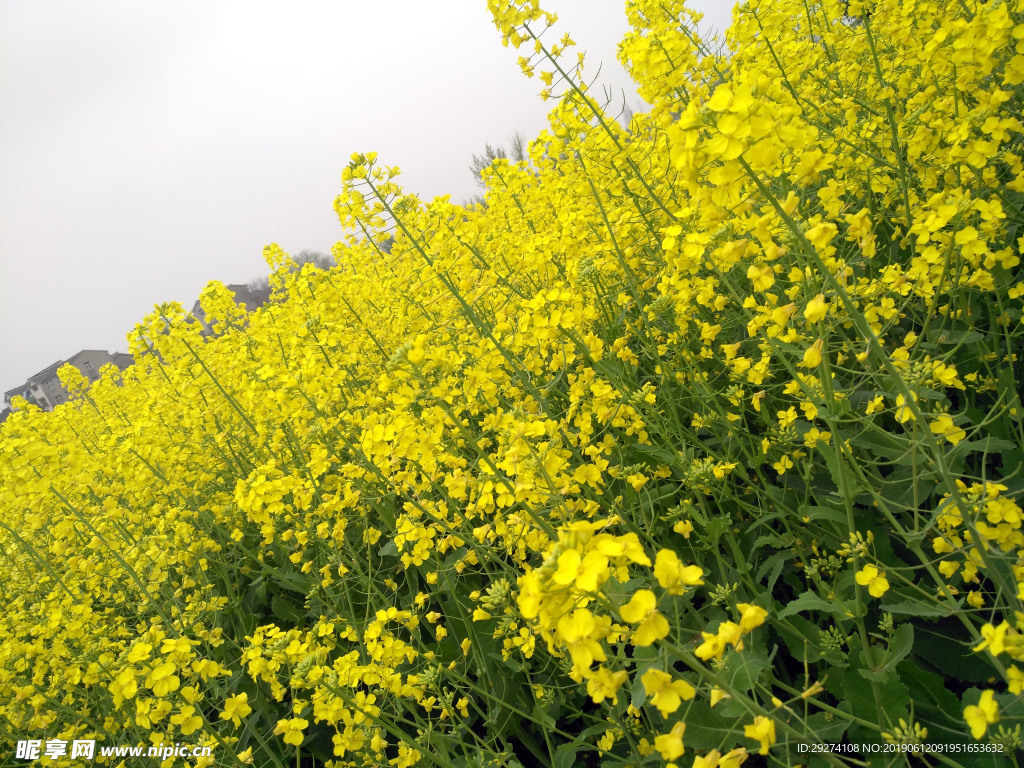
{"type": "Point", "coordinates": [318, 259]}
{"type": "Point", "coordinates": [515, 153]}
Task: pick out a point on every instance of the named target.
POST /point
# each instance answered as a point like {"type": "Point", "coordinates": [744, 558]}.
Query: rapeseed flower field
{"type": "Point", "coordinates": [698, 443]}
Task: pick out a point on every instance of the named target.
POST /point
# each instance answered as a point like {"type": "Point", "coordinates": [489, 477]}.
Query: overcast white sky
{"type": "Point", "coordinates": [146, 149]}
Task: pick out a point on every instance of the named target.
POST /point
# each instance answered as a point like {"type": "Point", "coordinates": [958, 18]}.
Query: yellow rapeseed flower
{"type": "Point", "coordinates": [604, 684]}
{"type": "Point", "coordinates": [292, 730]}
{"type": "Point", "coordinates": [670, 744]}
{"type": "Point", "coordinates": [816, 309]}
{"type": "Point", "coordinates": [869, 576]}
{"type": "Point", "coordinates": [586, 572]}
{"type": "Point", "coordinates": [235, 708]}
{"type": "Point", "coordinates": [673, 576]}
{"type": "Point", "coordinates": [161, 680]}
{"type": "Point", "coordinates": [642, 610]}
{"type": "Point", "coordinates": [666, 693]}
{"type": "Point", "coordinates": [576, 632]}
{"type": "Point", "coordinates": [762, 277]}
{"type": "Point", "coordinates": [993, 638]}
{"type": "Point", "coordinates": [981, 715]}
{"type": "Point", "coordinates": [763, 730]}
{"type": "Point", "coordinates": [812, 355]}
{"type": "Point", "coordinates": [715, 759]}
{"type": "Point", "coordinates": [943, 425]}
{"type": "Point", "coordinates": [821, 235]}
{"type": "Point", "coordinates": [751, 616]}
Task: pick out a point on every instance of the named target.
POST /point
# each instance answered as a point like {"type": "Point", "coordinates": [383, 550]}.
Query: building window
{"type": "Point", "coordinates": [51, 384]}
{"type": "Point", "coordinates": [59, 399]}
{"type": "Point", "coordinates": [87, 365]}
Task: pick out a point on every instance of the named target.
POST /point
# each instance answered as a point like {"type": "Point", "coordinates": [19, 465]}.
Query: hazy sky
{"type": "Point", "coordinates": [146, 149]}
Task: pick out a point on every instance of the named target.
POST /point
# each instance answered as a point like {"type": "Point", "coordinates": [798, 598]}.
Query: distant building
{"type": "Point", "coordinates": [44, 388]}
{"type": "Point", "coordinates": [251, 298]}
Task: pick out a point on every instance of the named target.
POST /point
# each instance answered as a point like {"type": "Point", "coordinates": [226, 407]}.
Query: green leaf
{"type": "Point", "coordinates": [639, 694]}
{"type": "Point", "coordinates": [901, 644]}
{"type": "Point", "coordinates": [931, 697]}
{"type": "Point", "coordinates": [882, 444]}
{"type": "Point", "coordinates": [916, 608]}
{"type": "Point", "coordinates": [773, 539]}
{"type": "Point", "coordinates": [619, 593]}
{"type": "Point", "coordinates": [717, 527]}
{"type": "Point", "coordinates": [542, 718]}
{"type": "Point", "coordinates": [744, 669]}
{"type": "Point", "coordinates": [812, 512]}
{"type": "Point", "coordinates": [859, 693]}
{"type": "Point", "coordinates": [885, 663]}
{"type": "Point", "coordinates": [705, 728]}
{"type": "Point", "coordinates": [954, 337]}
{"type": "Point", "coordinates": [256, 595]}
{"type": "Point", "coordinates": [988, 444]}
{"type": "Point", "coordinates": [776, 562]}
{"type": "Point", "coordinates": [293, 582]}
{"type": "Point", "coordinates": [802, 637]}
{"type": "Point", "coordinates": [645, 656]}
{"type": "Point", "coordinates": [285, 610]}
{"type": "Point", "coordinates": [811, 601]}
{"type": "Point", "coordinates": [878, 675]}
{"type": "Point", "coordinates": [826, 731]}
{"type": "Point", "coordinates": [565, 756]}
{"type": "Point", "coordinates": [662, 455]}
{"type": "Point", "coordinates": [945, 647]}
